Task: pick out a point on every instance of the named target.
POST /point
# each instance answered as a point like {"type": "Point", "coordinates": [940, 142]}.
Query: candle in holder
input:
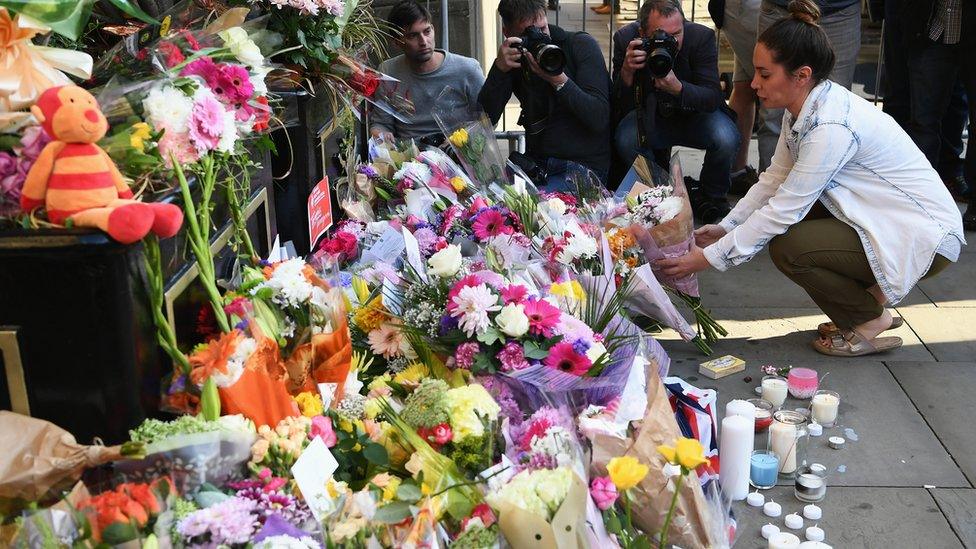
{"type": "Point", "coordinates": [774, 390]}
{"type": "Point", "coordinates": [802, 382]}
{"type": "Point", "coordinates": [783, 540]}
{"type": "Point", "coordinates": [824, 407]}
{"type": "Point", "coordinates": [763, 469]}
{"type": "Point", "coordinates": [737, 438]}
{"type": "Point", "coordinates": [764, 413]}
{"type": "Point", "coordinates": [787, 438]}
{"type": "Point", "coordinates": [811, 483]}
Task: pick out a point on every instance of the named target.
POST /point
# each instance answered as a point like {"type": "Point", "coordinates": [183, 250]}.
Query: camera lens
{"type": "Point", "coordinates": [551, 59]}
{"type": "Point", "coordinates": [660, 62]}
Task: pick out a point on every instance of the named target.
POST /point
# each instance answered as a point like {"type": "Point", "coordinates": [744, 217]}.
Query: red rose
{"type": "Point", "coordinates": [364, 83]}
{"type": "Point", "coordinates": [342, 245]}
{"type": "Point", "coordinates": [441, 434]}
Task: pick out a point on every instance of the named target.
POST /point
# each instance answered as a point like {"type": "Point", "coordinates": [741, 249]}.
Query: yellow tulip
{"type": "Point", "coordinates": [458, 184]}
{"type": "Point", "coordinates": [688, 453]}
{"type": "Point", "coordinates": [625, 472]}
{"type": "Point", "coordinates": [140, 132]}
{"type": "Point", "coordinates": [459, 138]}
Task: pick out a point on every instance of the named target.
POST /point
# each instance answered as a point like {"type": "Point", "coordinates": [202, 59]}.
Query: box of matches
{"type": "Point", "coordinates": [721, 367]}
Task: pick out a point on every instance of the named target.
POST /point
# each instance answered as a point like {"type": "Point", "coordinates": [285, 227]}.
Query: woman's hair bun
{"type": "Point", "coordinates": [805, 11]}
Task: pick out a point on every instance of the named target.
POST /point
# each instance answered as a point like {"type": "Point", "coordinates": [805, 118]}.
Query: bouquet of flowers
{"type": "Point", "coordinates": [543, 506]}
{"type": "Point", "coordinates": [472, 137]}
{"type": "Point", "coordinates": [18, 152]}
{"type": "Point", "coordinates": [127, 513]}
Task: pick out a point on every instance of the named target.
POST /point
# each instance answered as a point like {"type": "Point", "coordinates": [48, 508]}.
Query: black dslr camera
{"type": "Point", "coordinates": [551, 58]}
{"type": "Point", "coordinates": [661, 49]}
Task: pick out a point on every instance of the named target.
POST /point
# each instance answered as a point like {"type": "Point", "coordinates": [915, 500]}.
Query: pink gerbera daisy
{"type": "Point", "coordinates": [490, 223]}
{"type": "Point", "coordinates": [564, 358]}
{"type": "Point", "coordinates": [514, 293]}
{"type": "Point", "coordinates": [543, 316]}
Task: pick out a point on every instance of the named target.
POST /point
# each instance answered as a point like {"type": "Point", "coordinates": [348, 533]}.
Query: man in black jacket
{"type": "Point", "coordinates": [567, 115]}
{"type": "Point", "coordinates": [685, 107]}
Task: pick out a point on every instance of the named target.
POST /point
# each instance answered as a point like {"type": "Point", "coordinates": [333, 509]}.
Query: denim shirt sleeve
{"type": "Point", "coordinates": [823, 151]}
{"type": "Point", "coordinates": [759, 194]}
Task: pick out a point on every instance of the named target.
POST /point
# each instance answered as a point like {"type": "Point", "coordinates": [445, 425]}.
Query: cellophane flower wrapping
{"type": "Point", "coordinates": [472, 138]}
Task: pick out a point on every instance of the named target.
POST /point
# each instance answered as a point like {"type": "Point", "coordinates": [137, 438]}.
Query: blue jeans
{"type": "Point", "coordinates": [714, 132]}
{"type": "Point", "coordinates": [565, 175]}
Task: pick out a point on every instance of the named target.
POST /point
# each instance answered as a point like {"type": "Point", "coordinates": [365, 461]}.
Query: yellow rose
{"type": "Point", "coordinates": [625, 472]}
{"type": "Point", "coordinates": [310, 404]}
{"type": "Point", "coordinates": [459, 138]}
{"type": "Point", "coordinates": [688, 453]}
{"type": "Point", "coordinates": [458, 184]}
{"type": "Point", "coordinates": [140, 132]}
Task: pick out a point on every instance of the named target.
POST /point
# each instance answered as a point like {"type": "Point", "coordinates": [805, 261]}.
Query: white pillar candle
{"type": "Point", "coordinates": [815, 533]}
{"type": "Point", "coordinates": [774, 390]}
{"type": "Point", "coordinates": [793, 521]}
{"type": "Point", "coordinates": [784, 540]}
{"type": "Point", "coordinates": [737, 438]}
{"type": "Point", "coordinates": [768, 531]}
{"type": "Point", "coordinates": [741, 408]}
{"type": "Point", "coordinates": [812, 512]}
{"type": "Point", "coordinates": [755, 499]}
{"type": "Point", "coordinates": [824, 408]}
{"type": "Point", "coordinates": [772, 509]}
{"type": "Point", "coordinates": [782, 441]}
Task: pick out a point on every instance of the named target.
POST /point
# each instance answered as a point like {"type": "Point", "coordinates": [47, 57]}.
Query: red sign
{"type": "Point", "coordinates": [319, 211]}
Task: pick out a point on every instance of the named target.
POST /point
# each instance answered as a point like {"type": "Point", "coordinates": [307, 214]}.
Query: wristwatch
{"type": "Point", "coordinates": [560, 86]}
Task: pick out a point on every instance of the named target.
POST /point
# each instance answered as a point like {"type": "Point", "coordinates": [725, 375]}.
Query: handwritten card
{"type": "Point", "coordinates": [312, 471]}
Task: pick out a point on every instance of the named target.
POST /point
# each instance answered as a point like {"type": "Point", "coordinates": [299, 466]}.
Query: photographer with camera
{"type": "Point", "coordinates": [563, 87]}
{"type": "Point", "coordinates": [666, 91]}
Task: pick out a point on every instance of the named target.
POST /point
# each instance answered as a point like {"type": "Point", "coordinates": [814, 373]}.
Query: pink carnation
{"type": "Point", "coordinates": [604, 492]}
{"type": "Point", "coordinates": [464, 355]}
{"type": "Point", "coordinates": [178, 146]}
{"type": "Point", "coordinates": [512, 357]}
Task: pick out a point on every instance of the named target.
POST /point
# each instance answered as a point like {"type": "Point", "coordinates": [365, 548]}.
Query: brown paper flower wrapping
{"type": "Point", "coordinates": [652, 497]}
{"type": "Point", "coordinates": [39, 456]}
{"type": "Point", "coordinates": [566, 530]}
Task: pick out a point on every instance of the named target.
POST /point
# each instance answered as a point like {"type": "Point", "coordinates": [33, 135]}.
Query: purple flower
{"type": "Point", "coordinates": [502, 393]}
{"type": "Point", "coordinates": [426, 240]}
{"type": "Point", "coordinates": [369, 171]}
{"type": "Point", "coordinates": [229, 522]}
{"type": "Point", "coordinates": [581, 346]}
{"type": "Point", "coordinates": [269, 503]}
{"type": "Point", "coordinates": [448, 323]}
{"type": "Point", "coordinates": [178, 385]}
{"type": "Point", "coordinates": [464, 355]}
{"type": "Point", "coordinates": [33, 142]}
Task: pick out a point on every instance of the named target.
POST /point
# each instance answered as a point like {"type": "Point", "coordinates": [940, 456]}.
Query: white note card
{"type": "Point", "coordinates": [312, 471]}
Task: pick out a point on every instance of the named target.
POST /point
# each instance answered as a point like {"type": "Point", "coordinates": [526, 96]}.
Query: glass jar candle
{"type": "Point", "coordinates": [810, 484]}
{"type": "Point", "coordinates": [787, 439]}
{"type": "Point", "coordinates": [763, 469]}
{"type": "Point", "coordinates": [764, 413]}
{"type": "Point", "coordinates": [802, 382]}
{"type": "Point", "coordinates": [774, 390]}
{"type": "Point", "coordinates": [824, 407]}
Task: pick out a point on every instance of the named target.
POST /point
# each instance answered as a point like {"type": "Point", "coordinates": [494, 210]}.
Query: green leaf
{"type": "Point", "coordinates": [210, 400]}
{"type": "Point", "coordinates": [613, 523]}
{"type": "Point", "coordinates": [490, 336]}
{"type": "Point", "coordinates": [533, 350]}
{"type": "Point", "coordinates": [409, 493]}
{"type": "Point", "coordinates": [376, 454]}
{"type": "Point", "coordinates": [393, 513]}
{"type": "Point", "coordinates": [119, 532]}
{"type": "Point", "coordinates": [134, 11]}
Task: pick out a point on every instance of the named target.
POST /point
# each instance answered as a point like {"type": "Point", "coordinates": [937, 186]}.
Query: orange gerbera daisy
{"type": "Point", "coordinates": [213, 358]}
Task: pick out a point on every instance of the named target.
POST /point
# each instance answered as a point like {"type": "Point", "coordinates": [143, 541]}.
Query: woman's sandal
{"type": "Point", "coordinates": [829, 329]}
{"type": "Point", "coordinates": [850, 344]}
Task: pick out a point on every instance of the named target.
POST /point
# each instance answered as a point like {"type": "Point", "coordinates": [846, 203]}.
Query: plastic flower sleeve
{"type": "Point", "coordinates": [647, 297]}
{"type": "Point", "coordinates": [472, 138]}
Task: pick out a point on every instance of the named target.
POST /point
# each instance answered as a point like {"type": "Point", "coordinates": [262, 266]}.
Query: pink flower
{"type": "Point", "coordinates": [470, 280]}
{"type": "Point", "coordinates": [603, 492]}
{"type": "Point", "coordinates": [464, 355]}
{"type": "Point", "coordinates": [564, 358]}
{"type": "Point", "coordinates": [233, 84]}
{"type": "Point", "coordinates": [536, 429]}
{"type": "Point", "coordinates": [203, 67]}
{"type": "Point", "coordinates": [322, 428]}
{"type": "Point", "coordinates": [452, 214]}
{"type": "Point", "coordinates": [342, 245]}
{"type": "Point", "coordinates": [490, 223]}
{"type": "Point", "coordinates": [543, 316]}
{"type": "Point", "coordinates": [512, 357]}
{"type": "Point", "coordinates": [206, 123]}
{"type": "Point", "coordinates": [476, 206]}
{"type": "Point", "coordinates": [276, 483]}
{"type": "Point", "coordinates": [481, 511]}
{"type": "Point", "coordinates": [264, 473]}
{"type": "Point", "coordinates": [239, 307]}
{"type": "Point", "coordinates": [441, 434]}
{"type": "Point", "coordinates": [514, 293]}
{"type": "Point", "coordinates": [178, 146]}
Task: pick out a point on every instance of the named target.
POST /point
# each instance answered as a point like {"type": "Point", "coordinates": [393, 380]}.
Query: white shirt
{"type": "Point", "coordinates": [865, 169]}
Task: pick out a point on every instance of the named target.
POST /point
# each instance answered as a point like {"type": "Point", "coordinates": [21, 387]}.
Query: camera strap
{"type": "Point", "coordinates": [639, 102]}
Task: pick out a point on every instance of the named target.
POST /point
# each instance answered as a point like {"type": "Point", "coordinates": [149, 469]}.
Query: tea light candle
{"type": "Point", "coordinates": [814, 545]}
{"type": "Point", "coordinates": [772, 509]}
{"type": "Point", "coordinates": [763, 469]}
{"type": "Point", "coordinates": [755, 499]}
{"type": "Point", "coordinates": [784, 540]}
{"type": "Point", "coordinates": [769, 531]}
{"type": "Point", "coordinates": [836, 442]}
{"type": "Point", "coordinates": [824, 407]}
{"type": "Point", "coordinates": [814, 533]}
{"type": "Point", "coordinates": [793, 521]}
{"type": "Point", "coordinates": [811, 483]}
{"type": "Point", "coordinates": [815, 429]}
{"type": "Point", "coordinates": [774, 390]}
{"type": "Point", "coordinates": [812, 512]}
{"type": "Point", "coordinates": [803, 382]}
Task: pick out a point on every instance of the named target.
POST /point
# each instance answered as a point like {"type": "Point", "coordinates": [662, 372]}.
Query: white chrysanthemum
{"type": "Point", "coordinates": [228, 138]}
{"type": "Point", "coordinates": [416, 171]}
{"type": "Point", "coordinates": [579, 245]}
{"type": "Point", "coordinates": [236, 423]}
{"type": "Point", "coordinates": [168, 107]}
{"type": "Point", "coordinates": [668, 209]}
{"type": "Point", "coordinates": [473, 305]}
{"type": "Point", "coordinates": [289, 283]}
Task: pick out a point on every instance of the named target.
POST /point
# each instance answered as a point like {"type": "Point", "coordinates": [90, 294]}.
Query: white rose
{"type": "Point", "coordinates": [595, 351]}
{"type": "Point", "coordinates": [233, 36]}
{"type": "Point", "coordinates": [512, 320]}
{"type": "Point", "coordinates": [446, 262]}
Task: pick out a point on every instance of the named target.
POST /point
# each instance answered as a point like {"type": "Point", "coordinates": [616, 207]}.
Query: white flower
{"type": "Point", "coordinates": [288, 542]}
{"type": "Point", "coordinates": [512, 320]}
{"type": "Point", "coordinates": [235, 363]}
{"type": "Point", "coordinates": [596, 351]}
{"type": "Point", "coordinates": [169, 108]}
{"type": "Point", "coordinates": [446, 262]}
{"type": "Point", "coordinates": [556, 206]}
{"type": "Point", "coordinates": [668, 209]}
{"type": "Point", "coordinates": [578, 245]}
{"type": "Point", "coordinates": [228, 138]}
{"type": "Point", "coordinates": [473, 305]}
{"type": "Point", "coordinates": [333, 7]}
{"type": "Point", "coordinates": [241, 45]}
{"type": "Point", "coordinates": [289, 283]}
{"type": "Point", "coordinates": [236, 423]}
{"type": "Point", "coordinates": [416, 171]}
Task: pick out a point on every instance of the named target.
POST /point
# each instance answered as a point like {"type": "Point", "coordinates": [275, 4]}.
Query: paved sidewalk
{"type": "Point", "coordinates": [907, 481]}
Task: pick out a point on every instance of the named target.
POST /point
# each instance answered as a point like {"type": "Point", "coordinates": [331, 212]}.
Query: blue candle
{"type": "Point", "coordinates": [763, 469]}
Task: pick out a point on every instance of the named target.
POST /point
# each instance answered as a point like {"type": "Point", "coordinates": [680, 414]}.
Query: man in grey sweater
{"type": "Point", "coordinates": [423, 73]}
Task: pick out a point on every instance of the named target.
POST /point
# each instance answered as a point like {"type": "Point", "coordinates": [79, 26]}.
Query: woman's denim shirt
{"type": "Point", "coordinates": [864, 168]}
